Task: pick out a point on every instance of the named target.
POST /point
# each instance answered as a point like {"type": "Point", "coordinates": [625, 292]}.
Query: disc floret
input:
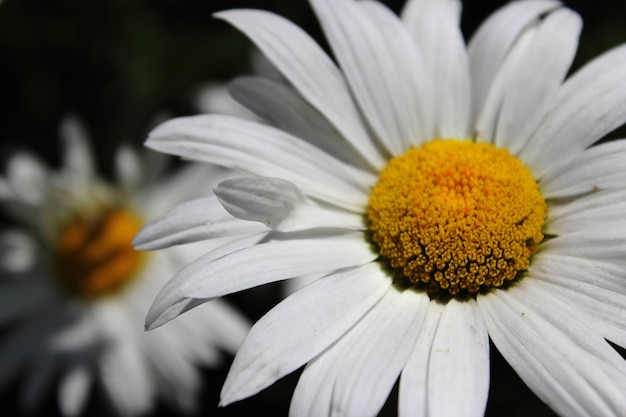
{"type": "Point", "coordinates": [457, 215]}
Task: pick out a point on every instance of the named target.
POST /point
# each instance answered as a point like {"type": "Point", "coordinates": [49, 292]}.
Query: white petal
{"type": "Point", "coordinates": [283, 256]}
{"type": "Point", "coordinates": [596, 286]}
{"type": "Point", "coordinates": [155, 165]}
{"type": "Point", "coordinates": [80, 335]}
{"type": "Point", "coordinates": [609, 246]}
{"type": "Point", "coordinates": [435, 28]}
{"type": "Point", "coordinates": [284, 107]}
{"type": "Point", "coordinates": [27, 178]}
{"type": "Point", "coordinates": [316, 386]}
{"type": "Point", "coordinates": [577, 206]}
{"type": "Point", "coordinates": [169, 304]}
{"type": "Point", "coordinates": [265, 200]}
{"type": "Point", "coordinates": [217, 326]}
{"type": "Point", "coordinates": [588, 106]}
{"type": "Point", "coordinates": [128, 168]}
{"type": "Point", "coordinates": [17, 251]}
{"type": "Point", "coordinates": [597, 168]}
{"type": "Point", "coordinates": [261, 150]}
{"type": "Point", "coordinates": [74, 390]}
{"type": "Point", "coordinates": [458, 369]}
{"type": "Point", "coordinates": [294, 284]}
{"type": "Point", "coordinates": [599, 273]}
{"type": "Point", "coordinates": [6, 193]}
{"type": "Point", "coordinates": [564, 360]}
{"type": "Point", "coordinates": [263, 67]}
{"type": "Point", "coordinates": [309, 70]}
{"type": "Point", "coordinates": [371, 367]}
{"type": "Point", "coordinates": [487, 116]}
{"type": "Point", "coordinates": [301, 326]}
{"type": "Point", "coordinates": [595, 212]}
{"type": "Point", "coordinates": [77, 156]}
{"type": "Point", "coordinates": [412, 397]}
{"type": "Point", "coordinates": [193, 221]}
{"type": "Point", "coordinates": [126, 379]}
{"type": "Point", "coordinates": [493, 40]}
{"type": "Point", "coordinates": [381, 63]}
{"type": "Point", "coordinates": [313, 394]}
{"type": "Point", "coordinates": [604, 307]}
{"type": "Point", "coordinates": [280, 205]}
{"type": "Point", "coordinates": [528, 96]}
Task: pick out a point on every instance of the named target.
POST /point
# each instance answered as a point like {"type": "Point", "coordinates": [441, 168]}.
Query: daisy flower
{"type": "Point", "coordinates": [443, 194]}
{"type": "Point", "coordinates": [74, 292]}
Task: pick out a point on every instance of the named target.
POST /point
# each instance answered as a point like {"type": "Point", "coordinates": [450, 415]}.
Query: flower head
{"type": "Point", "coordinates": [74, 290]}
{"type": "Point", "coordinates": [442, 194]}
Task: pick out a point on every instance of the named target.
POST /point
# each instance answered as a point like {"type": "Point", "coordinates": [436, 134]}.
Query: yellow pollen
{"type": "Point", "coordinates": [94, 257]}
{"type": "Point", "coordinates": [456, 215]}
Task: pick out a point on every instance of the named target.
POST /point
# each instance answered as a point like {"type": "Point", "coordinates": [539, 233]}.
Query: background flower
{"type": "Point", "coordinates": [73, 292]}
{"type": "Point", "coordinates": [124, 61]}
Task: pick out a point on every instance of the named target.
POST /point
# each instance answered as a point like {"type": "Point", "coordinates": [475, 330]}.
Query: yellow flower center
{"type": "Point", "coordinates": [456, 215]}
{"type": "Point", "coordinates": [94, 257]}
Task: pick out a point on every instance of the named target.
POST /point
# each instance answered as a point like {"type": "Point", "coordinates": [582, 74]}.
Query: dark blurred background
{"type": "Point", "coordinates": [120, 65]}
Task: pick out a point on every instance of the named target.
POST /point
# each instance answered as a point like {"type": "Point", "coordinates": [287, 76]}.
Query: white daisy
{"type": "Point", "coordinates": [74, 292]}
{"type": "Point", "coordinates": [445, 194]}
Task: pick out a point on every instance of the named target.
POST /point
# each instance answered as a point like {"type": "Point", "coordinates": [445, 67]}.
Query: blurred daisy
{"type": "Point", "coordinates": [74, 292]}
{"type": "Point", "coordinates": [442, 194]}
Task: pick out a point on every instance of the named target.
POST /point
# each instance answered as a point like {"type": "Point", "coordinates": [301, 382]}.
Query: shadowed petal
{"type": "Point", "coordinates": [300, 327]}
{"type": "Point", "coordinates": [574, 124]}
{"type": "Point", "coordinates": [529, 96]}
{"type": "Point", "coordinates": [557, 354]}
{"type": "Point", "coordinates": [280, 205]}
{"type": "Point", "coordinates": [598, 168]}
{"type": "Point", "coordinates": [309, 70]}
{"type": "Point", "coordinates": [493, 40]}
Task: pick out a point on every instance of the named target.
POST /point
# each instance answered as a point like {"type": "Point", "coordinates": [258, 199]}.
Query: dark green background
{"type": "Point", "coordinates": [120, 64]}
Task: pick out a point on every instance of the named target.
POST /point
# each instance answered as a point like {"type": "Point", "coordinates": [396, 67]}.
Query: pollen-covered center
{"type": "Point", "coordinates": [94, 256]}
{"type": "Point", "coordinates": [457, 215]}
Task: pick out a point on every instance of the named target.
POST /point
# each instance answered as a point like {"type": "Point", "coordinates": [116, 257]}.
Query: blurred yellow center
{"type": "Point", "coordinates": [457, 215]}
{"type": "Point", "coordinates": [95, 257]}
